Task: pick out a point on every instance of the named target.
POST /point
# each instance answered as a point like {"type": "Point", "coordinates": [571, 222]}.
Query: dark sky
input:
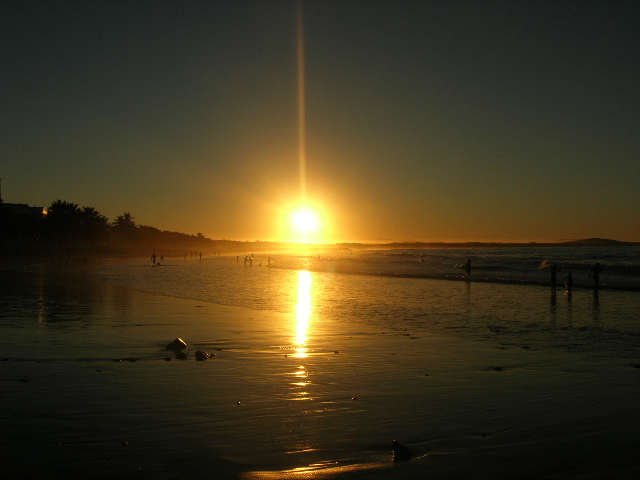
{"type": "Point", "coordinates": [492, 120]}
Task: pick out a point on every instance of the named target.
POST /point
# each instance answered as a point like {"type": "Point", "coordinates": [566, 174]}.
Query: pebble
{"type": "Point", "coordinates": [400, 452]}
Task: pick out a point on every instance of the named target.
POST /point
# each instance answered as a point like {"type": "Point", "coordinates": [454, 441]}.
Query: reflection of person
{"type": "Point", "coordinates": [554, 279]}
{"type": "Point", "coordinates": [594, 273]}
{"type": "Point", "coordinates": [568, 281]}
{"type": "Point", "coordinates": [467, 267]}
{"type": "Point", "coordinates": [153, 258]}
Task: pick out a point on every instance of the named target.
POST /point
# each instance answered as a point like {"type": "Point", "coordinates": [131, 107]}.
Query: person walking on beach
{"type": "Point", "coordinates": [153, 258]}
{"type": "Point", "coordinates": [568, 282]}
{"type": "Point", "coordinates": [467, 267]}
{"type": "Point", "coordinates": [594, 273]}
{"type": "Point", "coordinates": [554, 278]}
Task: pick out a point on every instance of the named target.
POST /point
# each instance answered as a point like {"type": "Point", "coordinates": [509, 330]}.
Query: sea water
{"type": "Point", "coordinates": [507, 299]}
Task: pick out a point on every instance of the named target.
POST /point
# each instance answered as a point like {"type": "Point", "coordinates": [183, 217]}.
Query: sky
{"type": "Point", "coordinates": [423, 120]}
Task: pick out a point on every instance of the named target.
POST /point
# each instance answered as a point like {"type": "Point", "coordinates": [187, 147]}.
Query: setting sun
{"type": "Point", "coordinates": [305, 221]}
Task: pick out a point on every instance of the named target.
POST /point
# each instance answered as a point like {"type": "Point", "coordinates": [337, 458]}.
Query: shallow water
{"type": "Point", "coordinates": [316, 378]}
{"type": "Point", "coordinates": [602, 322]}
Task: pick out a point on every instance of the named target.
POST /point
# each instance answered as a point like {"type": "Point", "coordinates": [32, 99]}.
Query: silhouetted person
{"type": "Point", "coordinates": [568, 282]}
{"type": "Point", "coordinates": [554, 278]}
{"type": "Point", "coordinates": [153, 258]}
{"type": "Point", "coordinates": [200, 256]}
{"type": "Point", "coordinates": [467, 267]}
{"type": "Point", "coordinates": [594, 273]}
{"type": "Point", "coordinates": [162, 258]}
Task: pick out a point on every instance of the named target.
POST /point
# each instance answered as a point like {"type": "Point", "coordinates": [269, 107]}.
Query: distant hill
{"type": "Point", "coordinates": [587, 242]}
{"type": "Point", "coordinates": [600, 242]}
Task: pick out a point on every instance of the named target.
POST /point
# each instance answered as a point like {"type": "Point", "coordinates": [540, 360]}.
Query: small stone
{"type": "Point", "coordinates": [178, 345]}
{"type": "Point", "coordinates": [201, 356]}
{"type": "Point", "coordinates": [400, 452]}
{"type": "Point", "coordinates": [167, 359]}
{"type": "Point", "coordinates": [181, 356]}
{"type": "Point", "coordinates": [124, 444]}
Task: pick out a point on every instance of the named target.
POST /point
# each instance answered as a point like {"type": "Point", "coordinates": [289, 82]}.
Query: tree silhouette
{"type": "Point", "coordinates": [124, 228]}
{"type": "Point", "coordinates": [66, 222]}
{"type": "Point", "coordinates": [93, 225]}
{"type": "Point", "coordinates": [63, 220]}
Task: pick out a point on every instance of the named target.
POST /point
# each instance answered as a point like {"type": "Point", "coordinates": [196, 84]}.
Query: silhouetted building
{"type": "Point", "coordinates": [36, 213]}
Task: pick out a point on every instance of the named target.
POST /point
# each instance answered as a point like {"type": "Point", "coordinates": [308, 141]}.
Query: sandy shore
{"type": "Point", "coordinates": [88, 390]}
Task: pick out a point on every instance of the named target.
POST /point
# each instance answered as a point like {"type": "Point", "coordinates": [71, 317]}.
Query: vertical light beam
{"type": "Point", "coordinates": [302, 155]}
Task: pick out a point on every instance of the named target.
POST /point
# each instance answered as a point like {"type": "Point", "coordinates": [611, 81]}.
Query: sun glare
{"type": "Point", "coordinates": [305, 221]}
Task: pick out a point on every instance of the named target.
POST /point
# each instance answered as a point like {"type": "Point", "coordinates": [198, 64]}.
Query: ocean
{"type": "Point", "coordinates": [507, 299]}
{"type": "Point", "coordinates": [334, 355]}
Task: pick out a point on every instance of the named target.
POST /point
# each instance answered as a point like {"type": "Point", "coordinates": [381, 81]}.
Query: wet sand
{"type": "Point", "coordinates": [88, 391]}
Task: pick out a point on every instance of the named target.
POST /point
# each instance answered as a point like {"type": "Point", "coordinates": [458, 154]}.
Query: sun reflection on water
{"type": "Point", "coordinates": [303, 313]}
{"type": "Point", "coordinates": [300, 336]}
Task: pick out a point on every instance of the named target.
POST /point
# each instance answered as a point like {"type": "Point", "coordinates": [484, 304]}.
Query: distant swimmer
{"type": "Point", "coordinates": [467, 267]}
{"type": "Point", "coordinates": [594, 273]}
{"type": "Point", "coordinates": [568, 282]}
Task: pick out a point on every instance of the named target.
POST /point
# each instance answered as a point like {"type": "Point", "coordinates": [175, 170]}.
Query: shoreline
{"type": "Point", "coordinates": [87, 385]}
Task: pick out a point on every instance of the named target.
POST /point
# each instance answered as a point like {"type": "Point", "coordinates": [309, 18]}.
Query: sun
{"type": "Point", "coordinates": [305, 221]}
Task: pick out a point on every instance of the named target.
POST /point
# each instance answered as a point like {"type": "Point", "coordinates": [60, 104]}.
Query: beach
{"type": "Point", "coordinates": [88, 389]}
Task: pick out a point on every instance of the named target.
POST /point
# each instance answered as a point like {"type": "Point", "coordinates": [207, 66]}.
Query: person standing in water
{"type": "Point", "coordinates": [153, 258]}
{"type": "Point", "coordinates": [467, 267]}
{"type": "Point", "coordinates": [594, 273]}
{"type": "Point", "coordinates": [568, 281]}
{"type": "Point", "coordinates": [554, 278]}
